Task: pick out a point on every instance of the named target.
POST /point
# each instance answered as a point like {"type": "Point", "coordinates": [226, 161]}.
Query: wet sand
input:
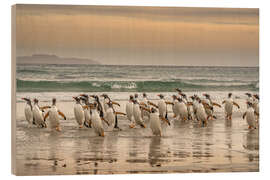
{"type": "Point", "coordinates": [222, 146]}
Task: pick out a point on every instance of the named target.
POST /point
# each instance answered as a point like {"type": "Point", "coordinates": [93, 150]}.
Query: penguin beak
{"type": "Point", "coordinates": [158, 95]}
{"type": "Point", "coordinates": [74, 97]}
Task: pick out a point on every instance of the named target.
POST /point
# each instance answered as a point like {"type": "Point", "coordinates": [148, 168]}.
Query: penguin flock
{"type": "Point", "coordinates": [96, 112]}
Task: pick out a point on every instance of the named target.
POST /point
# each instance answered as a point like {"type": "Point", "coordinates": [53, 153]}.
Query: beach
{"type": "Point", "coordinates": [222, 146]}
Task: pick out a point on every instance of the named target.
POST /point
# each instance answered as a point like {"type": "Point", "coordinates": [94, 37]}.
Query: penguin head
{"type": "Point", "coordinates": [207, 96]}
{"type": "Point", "coordinates": [248, 94]}
{"type": "Point", "coordinates": [35, 100]}
{"type": "Point", "coordinates": [249, 104]}
{"type": "Point", "coordinates": [229, 95]}
{"type": "Point", "coordinates": [53, 101]}
{"type": "Point", "coordinates": [131, 97]}
{"type": "Point", "coordinates": [179, 90]}
{"type": "Point", "coordinates": [256, 96]}
{"type": "Point", "coordinates": [110, 104]}
{"type": "Point", "coordinates": [174, 97]}
{"type": "Point", "coordinates": [180, 99]}
{"type": "Point", "coordinates": [28, 101]}
{"type": "Point", "coordinates": [136, 95]}
{"type": "Point", "coordinates": [85, 96]}
{"type": "Point", "coordinates": [144, 95]}
{"type": "Point", "coordinates": [192, 97]}
{"type": "Point", "coordinates": [83, 99]}
{"type": "Point", "coordinates": [105, 96]}
{"type": "Point", "coordinates": [135, 101]}
{"type": "Point", "coordinates": [76, 99]}
{"type": "Point", "coordinates": [153, 110]}
{"type": "Point", "coordinates": [161, 96]}
{"type": "Point", "coordinates": [184, 96]}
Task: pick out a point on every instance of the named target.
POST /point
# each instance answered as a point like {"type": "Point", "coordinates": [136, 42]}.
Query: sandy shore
{"type": "Point", "coordinates": [223, 146]}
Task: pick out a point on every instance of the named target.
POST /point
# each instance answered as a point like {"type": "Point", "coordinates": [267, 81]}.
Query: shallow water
{"type": "Point", "coordinates": [222, 146]}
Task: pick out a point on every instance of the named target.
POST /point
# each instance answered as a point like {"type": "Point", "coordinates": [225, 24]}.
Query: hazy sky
{"type": "Point", "coordinates": [141, 35]}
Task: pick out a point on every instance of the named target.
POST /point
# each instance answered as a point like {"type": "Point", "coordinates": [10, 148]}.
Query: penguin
{"type": "Point", "coordinates": [28, 111]}
{"type": "Point", "coordinates": [256, 105]}
{"type": "Point", "coordinates": [179, 91]}
{"type": "Point", "coordinates": [200, 113]}
{"type": "Point", "coordinates": [211, 104]}
{"type": "Point", "coordinates": [53, 115]}
{"type": "Point", "coordinates": [96, 120]}
{"type": "Point", "coordinates": [155, 124]}
{"type": "Point", "coordinates": [182, 109]}
{"type": "Point", "coordinates": [162, 107]}
{"type": "Point", "coordinates": [144, 103]}
{"type": "Point", "coordinates": [129, 108]}
{"type": "Point", "coordinates": [194, 106]}
{"type": "Point", "coordinates": [100, 109]}
{"type": "Point", "coordinates": [87, 110]}
{"type": "Point", "coordinates": [229, 106]}
{"type": "Point", "coordinates": [38, 115]}
{"type": "Point", "coordinates": [185, 100]}
{"type": "Point", "coordinates": [174, 109]}
{"type": "Point", "coordinates": [250, 116]}
{"type": "Point", "coordinates": [249, 98]}
{"type": "Point", "coordinates": [111, 116]}
{"type": "Point", "coordinates": [79, 112]}
{"type": "Point", "coordinates": [137, 115]}
{"type": "Point", "coordinates": [106, 100]}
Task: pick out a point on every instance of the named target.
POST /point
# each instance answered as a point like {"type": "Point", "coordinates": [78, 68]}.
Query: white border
{"type": "Point", "coordinates": [5, 83]}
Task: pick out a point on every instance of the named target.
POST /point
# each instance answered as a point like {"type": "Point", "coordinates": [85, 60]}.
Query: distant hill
{"type": "Point", "coordinates": [52, 59]}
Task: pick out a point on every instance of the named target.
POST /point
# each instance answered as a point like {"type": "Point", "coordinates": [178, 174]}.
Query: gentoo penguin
{"type": "Point", "coordinates": [174, 109]}
{"type": "Point", "coordinates": [96, 120]}
{"type": "Point", "coordinates": [195, 104]}
{"type": "Point", "coordinates": [144, 103]}
{"type": "Point", "coordinates": [136, 97]}
{"type": "Point", "coordinates": [155, 124]}
{"type": "Point", "coordinates": [229, 106]}
{"type": "Point", "coordinates": [38, 115]}
{"type": "Point", "coordinates": [78, 112]}
{"type": "Point", "coordinates": [53, 115]}
{"type": "Point", "coordinates": [162, 107]}
{"type": "Point", "coordinates": [211, 104]}
{"type": "Point", "coordinates": [256, 105]}
{"type": "Point", "coordinates": [201, 114]}
{"type": "Point", "coordinates": [111, 115]}
{"type": "Point", "coordinates": [182, 109]}
{"type": "Point", "coordinates": [185, 100]}
{"type": "Point", "coordinates": [179, 91]}
{"type": "Point", "coordinates": [100, 109]}
{"type": "Point", "coordinates": [28, 111]}
{"type": "Point", "coordinates": [106, 100]}
{"type": "Point", "coordinates": [250, 117]}
{"type": "Point", "coordinates": [249, 98]}
{"type": "Point", "coordinates": [129, 108]}
{"type": "Point", "coordinates": [87, 110]}
{"type": "Point", "coordinates": [137, 115]}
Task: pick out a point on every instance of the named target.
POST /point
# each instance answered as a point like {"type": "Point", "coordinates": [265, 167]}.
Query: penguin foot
{"type": "Point", "coordinates": [143, 126]}
{"type": "Point", "coordinates": [102, 134]}
{"type": "Point", "coordinates": [58, 129]}
{"type": "Point", "coordinates": [132, 126]}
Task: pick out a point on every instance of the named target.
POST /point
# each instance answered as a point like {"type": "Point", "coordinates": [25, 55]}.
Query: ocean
{"type": "Point", "coordinates": [222, 146]}
{"type": "Point", "coordinates": [127, 78]}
